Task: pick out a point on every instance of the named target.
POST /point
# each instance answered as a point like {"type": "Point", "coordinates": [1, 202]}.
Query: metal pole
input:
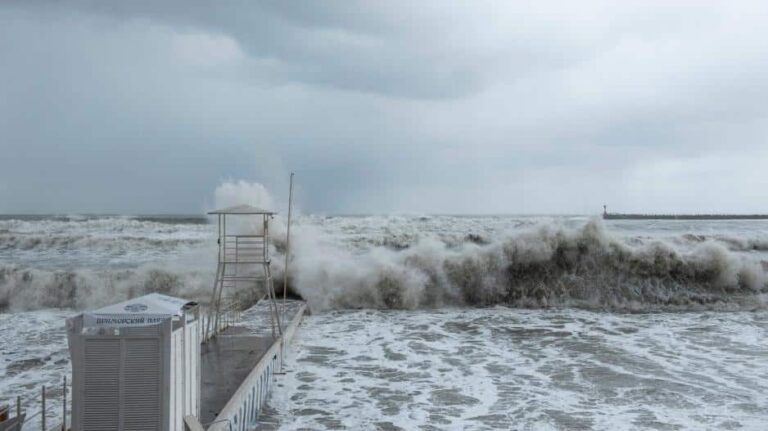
{"type": "Point", "coordinates": [212, 305]}
{"type": "Point", "coordinates": [222, 259]}
{"type": "Point", "coordinates": [18, 405]}
{"type": "Point", "coordinates": [43, 413]}
{"type": "Point", "coordinates": [64, 407]}
{"type": "Point", "coordinates": [287, 242]}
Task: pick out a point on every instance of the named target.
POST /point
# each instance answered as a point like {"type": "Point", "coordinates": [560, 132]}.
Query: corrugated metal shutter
{"type": "Point", "coordinates": [141, 385]}
{"type": "Point", "coordinates": [101, 385]}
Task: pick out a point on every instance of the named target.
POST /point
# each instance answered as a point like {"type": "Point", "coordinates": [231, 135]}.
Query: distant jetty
{"type": "Point", "coordinates": [619, 216]}
{"type": "Point", "coordinates": [616, 216]}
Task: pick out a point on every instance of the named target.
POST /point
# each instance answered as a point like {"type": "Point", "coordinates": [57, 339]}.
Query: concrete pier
{"type": "Point", "coordinates": [238, 365]}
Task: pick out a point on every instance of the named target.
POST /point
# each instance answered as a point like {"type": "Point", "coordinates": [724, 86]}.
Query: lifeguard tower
{"type": "Point", "coordinates": [243, 261]}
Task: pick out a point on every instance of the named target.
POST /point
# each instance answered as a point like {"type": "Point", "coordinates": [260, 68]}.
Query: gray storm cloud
{"type": "Point", "coordinates": [385, 106]}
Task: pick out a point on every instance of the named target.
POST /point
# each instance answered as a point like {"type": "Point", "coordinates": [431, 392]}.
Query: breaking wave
{"type": "Point", "coordinates": [65, 242]}
{"type": "Point", "coordinates": [545, 266]}
{"type": "Point", "coordinates": [27, 288]}
{"type": "Point", "coordinates": [740, 244]}
{"type": "Point", "coordinates": [390, 262]}
{"type": "Point", "coordinates": [96, 239]}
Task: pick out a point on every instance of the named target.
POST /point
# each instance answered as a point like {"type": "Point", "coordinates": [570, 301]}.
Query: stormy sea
{"type": "Point", "coordinates": [436, 321]}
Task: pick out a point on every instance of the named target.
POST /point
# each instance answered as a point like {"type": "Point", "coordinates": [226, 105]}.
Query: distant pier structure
{"type": "Point", "coordinates": [637, 216]}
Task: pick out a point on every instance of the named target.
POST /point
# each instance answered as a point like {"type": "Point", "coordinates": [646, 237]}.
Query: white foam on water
{"type": "Point", "coordinates": [398, 261]}
{"type": "Point", "coordinates": [440, 366]}
{"type": "Point", "coordinates": [501, 368]}
{"type": "Point", "coordinates": [33, 353]}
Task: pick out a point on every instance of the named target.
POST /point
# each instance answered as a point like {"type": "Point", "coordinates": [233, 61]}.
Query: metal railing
{"type": "Point", "coordinates": [244, 249]}
{"type": "Point", "coordinates": [22, 417]}
{"type": "Point", "coordinates": [242, 411]}
{"type": "Point", "coordinates": [229, 314]}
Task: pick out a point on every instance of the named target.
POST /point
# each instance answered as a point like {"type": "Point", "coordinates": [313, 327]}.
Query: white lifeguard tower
{"type": "Point", "coordinates": [243, 260]}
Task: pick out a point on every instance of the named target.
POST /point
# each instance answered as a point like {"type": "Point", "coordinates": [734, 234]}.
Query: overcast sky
{"type": "Point", "coordinates": [386, 106]}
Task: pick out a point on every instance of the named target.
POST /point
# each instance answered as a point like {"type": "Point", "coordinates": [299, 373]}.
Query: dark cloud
{"type": "Point", "coordinates": [336, 44]}
{"type": "Point", "coordinates": [145, 106]}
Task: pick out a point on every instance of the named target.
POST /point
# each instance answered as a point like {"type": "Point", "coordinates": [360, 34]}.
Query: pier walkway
{"type": "Point", "coordinates": [237, 365]}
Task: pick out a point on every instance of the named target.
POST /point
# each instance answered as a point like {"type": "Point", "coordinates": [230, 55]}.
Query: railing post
{"type": "Point", "coordinates": [43, 411]}
{"type": "Point", "coordinates": [18, 405]}
{"type": "Point", "coordinates": [64, 407]}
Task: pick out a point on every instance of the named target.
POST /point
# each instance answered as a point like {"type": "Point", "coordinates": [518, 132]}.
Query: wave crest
{"type": "Point", "coordinates": [542, 267]}
{"type": "Point", "coordinates": [26, 289]}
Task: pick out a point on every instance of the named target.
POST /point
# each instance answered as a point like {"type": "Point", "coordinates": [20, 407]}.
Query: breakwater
{"type": "Point", "coordinates": [617, 216]}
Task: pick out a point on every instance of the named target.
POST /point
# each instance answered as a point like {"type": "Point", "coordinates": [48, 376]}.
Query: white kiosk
{"type": "Point", "coordinates": [135, 365]}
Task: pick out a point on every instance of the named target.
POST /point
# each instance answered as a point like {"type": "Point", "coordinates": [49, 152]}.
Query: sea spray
{"type": "Point", "coordinates": [30, 289]}
{"type": "Point", "coordinates": [549, 265]}
{"type": "Point", "coordinates": [540, 265]}
{"type": "Point", "coordinates": [393, 262]}
{"type": "Point", "coordinates": [233, 193]}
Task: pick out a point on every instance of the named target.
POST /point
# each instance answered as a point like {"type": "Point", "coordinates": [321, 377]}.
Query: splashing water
{"type": "Point", "coordinates": [525, 315]}
{"type": "Point", "coordinates": [398, 262]}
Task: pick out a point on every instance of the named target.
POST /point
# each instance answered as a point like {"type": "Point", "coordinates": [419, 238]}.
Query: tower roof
{"type": "Point", "coordinates": [242, 209]}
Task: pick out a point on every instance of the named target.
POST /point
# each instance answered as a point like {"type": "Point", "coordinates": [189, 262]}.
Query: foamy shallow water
{"type": "Point", "coordinates": [502, 368]}
{"type": "Point", "coordinates": [493, 368]}
{"type": "Point", "coordinates": [33, 353]}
